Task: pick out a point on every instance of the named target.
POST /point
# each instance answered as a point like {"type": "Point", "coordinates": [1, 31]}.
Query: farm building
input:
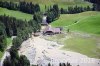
{"type": "Point", "coordinates": [51, 31]}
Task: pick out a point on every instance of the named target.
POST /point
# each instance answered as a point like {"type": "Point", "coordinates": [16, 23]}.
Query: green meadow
{"type": "Point", "coordinates": [83, 24]}
{"type": "Point", "coordinates": [86, 46]}
{"type": "Point", "coordinates": [78, 42]}
{"type": "Point", "coordinates": [89, 25]}
{"type": "Point", "coordinates": [61, 3]}
{"type": "Point", "coordinates": [16, 14]}
{"type": "Point", "coordinates": [9, 42]}
{"type": "Point", "coordinates": [87, 22]}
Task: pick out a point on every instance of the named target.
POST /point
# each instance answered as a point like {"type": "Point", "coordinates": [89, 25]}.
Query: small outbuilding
{"type": "Point", "coordinates": [44, 20]}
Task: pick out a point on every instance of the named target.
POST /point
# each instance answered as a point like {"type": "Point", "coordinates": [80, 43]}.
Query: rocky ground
{"type": "Point", "coordinates": [40, 51]}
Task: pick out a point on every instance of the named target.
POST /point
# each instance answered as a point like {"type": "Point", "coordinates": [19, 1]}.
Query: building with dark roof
{"type": "Point", "coordinates": [51, 31]}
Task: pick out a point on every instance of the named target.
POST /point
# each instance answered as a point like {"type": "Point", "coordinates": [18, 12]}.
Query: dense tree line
{"type": "Point", "coordinates": [52, 13]}
{"type": "Point", "coordinates": [26, 7]}
{"type": "Point", "coordinates": [75, 9]}
{"type": "Point", "coordinates": [10, 26]}
{"type": "Point", "coordinates": [19, 28]}
{"type": "Point", "coordinates": [15, 60]}
{"type": "Point", "coordinates": [60, 64]}
{"type": "Point", "coordinates": [29, 7]}
{"type": "Point", "coordinates": [64, 64]}
{"type": "Point", "coordinates": [3, 36]}
{"type": "Point", "coordinates": [96, 4]}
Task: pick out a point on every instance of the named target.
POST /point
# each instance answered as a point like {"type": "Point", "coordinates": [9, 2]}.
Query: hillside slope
{"type": "Point", "coordinates": [45, 0]}
{"type": "Point", "coordinates": [90, 25]}
{"type": "Point", "coordinates": [50, 1]}
{"type": "Point", "coordinates": [87, 22]}
{"type": "Point", "coordinates": [61, 3]}
{"type": "Point", "coordinates": [16, 14]}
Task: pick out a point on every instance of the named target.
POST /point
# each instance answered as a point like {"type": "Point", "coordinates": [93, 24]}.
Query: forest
{"type": "Point", "coordinates": [15, 27]}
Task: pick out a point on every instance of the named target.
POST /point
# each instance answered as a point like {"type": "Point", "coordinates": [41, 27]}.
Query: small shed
{"type": "Point", "coordinates": [44, 20]}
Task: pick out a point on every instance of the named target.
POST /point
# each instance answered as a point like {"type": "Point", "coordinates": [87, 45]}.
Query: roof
{"type": "Point", "coordinates": [55, 30]}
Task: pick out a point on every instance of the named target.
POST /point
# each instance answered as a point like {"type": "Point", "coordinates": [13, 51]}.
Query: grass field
{"type": "Point", "coordinates": [16, 14]}
{"type": "Point", "coordinates": [88, 22]}
{"type": "Point", "coordinates": [9, 42]}
{"type": "Point", "coordinates": [90, 25]}
{"type": "Point", "coordinates": [86, 46]}
{"type": "Point", "coordinates": [1, 54]}
{"type": "Point", "coordinates": [49, 1]}
{"type": "Point", "coordinates": [65, 5]}
{"type": "Point", "coordinates": [78, 42]}
{"type": "Point", "coordinates": [61, 3]}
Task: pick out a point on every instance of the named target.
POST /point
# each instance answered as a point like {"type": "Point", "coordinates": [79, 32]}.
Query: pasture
{"type": "Point", "coordinates": [61, 3]}
{"type": "Point", "coordinates": [16, 14]}
{"type": "Point", "coordinates": [9, 42]}
{"type": "Point", "coordinates": [84, 33]}
{"type": "Point", "coordinates": [86, 22]}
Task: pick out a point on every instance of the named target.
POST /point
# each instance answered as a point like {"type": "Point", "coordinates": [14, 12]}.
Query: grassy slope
{"type": "Point", "coordinates": [61, 3]}
{"type": "Point", "coordinates": [88, 22]}
{"type": "Point", "coordinates": [17, 14]}
{"type": "Point", "coordinates": [1, 54]}
{"type": "Point", "coordinates": [9, 42]}
{"type": "Point", "coordinates": [78, 42]}
{"type": "Point", "coordinates": [85, 46]}
{"type": "Point", "coordinates": [90, 25]}
{"type": "Point", "coordinates": [45, 1]}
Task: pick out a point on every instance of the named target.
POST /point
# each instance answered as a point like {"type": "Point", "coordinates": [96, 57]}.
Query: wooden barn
{"type": "Point", "coordinates": [51, 31]}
